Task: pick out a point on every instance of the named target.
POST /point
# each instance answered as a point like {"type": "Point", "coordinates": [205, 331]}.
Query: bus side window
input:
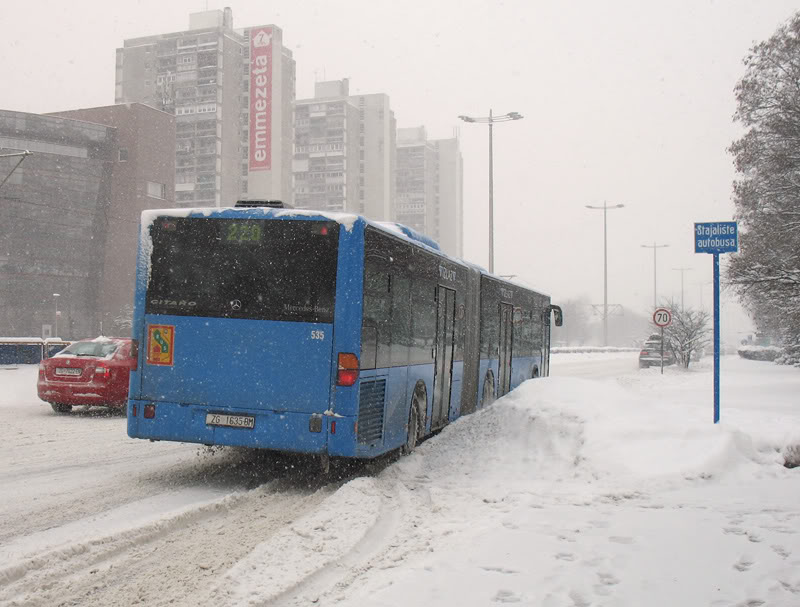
{"type": "Point", "coordinates": [377, 312]}
{"type": "Point", "coordinates": [401, 320]}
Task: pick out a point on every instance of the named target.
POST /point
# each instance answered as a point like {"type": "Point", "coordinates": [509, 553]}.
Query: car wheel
{"type": "Point", "coordinates": [61, 408]}
{"type": "Point", "coordinates": [643, 365]}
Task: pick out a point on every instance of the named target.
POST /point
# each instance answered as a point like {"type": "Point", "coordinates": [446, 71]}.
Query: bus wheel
{"type": "Point", "coordinates": [61, 408]}
{"type": "Point", "coordinates": [413, 426]}
{"type": "Point", "coordinates": [487, 394]}
{"type": "Point", "coordinates": [535, 373]}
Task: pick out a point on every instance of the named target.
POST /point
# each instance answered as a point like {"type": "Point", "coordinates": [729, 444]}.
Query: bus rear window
{"type": "Point", "coordinates": [244, 268]}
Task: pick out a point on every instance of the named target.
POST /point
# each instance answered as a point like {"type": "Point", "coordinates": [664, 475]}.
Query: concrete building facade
{"type": "Point", "coordinates": [231, 92]}
{"type": "Point", "coordinates": [361, 130]}
{"type": "Point", "coordinates": [430, 187]}
{"type": "Point", "coordinates": [326, 164]}
{"type": "Point", "coordinates": [377, 156]}
{"type": "Point", "coordinates": [141, 179]}
{"type": "Point", "coordinates": [69, 215]}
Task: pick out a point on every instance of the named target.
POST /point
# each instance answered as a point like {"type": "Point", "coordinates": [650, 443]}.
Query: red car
{"type": "Point", "coordinates": [88, 372]}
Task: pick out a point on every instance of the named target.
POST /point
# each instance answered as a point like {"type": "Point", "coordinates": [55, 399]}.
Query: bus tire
{"type": "Point", "coordinates": [487, 392]}
{"type": "Point", "coordinates": [535, 373]}
{"type": "Point", "coordinates": [412, 438]}
{"type": "Point", "coordinates": [61, 408]}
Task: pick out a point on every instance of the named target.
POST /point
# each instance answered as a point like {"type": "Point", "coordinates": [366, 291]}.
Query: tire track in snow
{"type": "Point", "coordinates": [175, 558]}
{"type": "Point", "coordinates": [179, 551]}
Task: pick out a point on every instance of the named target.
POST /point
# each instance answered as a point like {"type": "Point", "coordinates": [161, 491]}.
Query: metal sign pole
{"type": "Point", "coordinates": [716, 237]}
{"type": "Point", "coordinates": [662, 350]}
{"type": "Point", "coordinates": [716, 338]}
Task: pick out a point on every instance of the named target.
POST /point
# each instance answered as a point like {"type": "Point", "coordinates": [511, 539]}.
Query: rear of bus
{"type": "Point", "coordinates": [235, 321]}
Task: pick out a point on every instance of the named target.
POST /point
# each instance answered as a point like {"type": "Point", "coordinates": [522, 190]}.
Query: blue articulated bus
{"type": "Point", "coordinates": [318, 333]}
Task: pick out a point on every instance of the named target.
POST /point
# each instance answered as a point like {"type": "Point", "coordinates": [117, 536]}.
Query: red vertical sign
{"type": "Point", "coordinates": [260, 99]}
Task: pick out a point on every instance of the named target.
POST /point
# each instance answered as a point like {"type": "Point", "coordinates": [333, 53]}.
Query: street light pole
{"type": "Point", "coordinates": [490, 120]}
{"type": "Point", "coordinates": [655, 247]}
{"type": "Point", "coordinates": [682, 270]}
{"type": "Point", "coordinates": [55, 301]}
{"type": "Point", "coordinates": [605, 209]}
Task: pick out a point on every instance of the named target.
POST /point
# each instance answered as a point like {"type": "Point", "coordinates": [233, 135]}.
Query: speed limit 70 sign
{"type": "Point", "coordinates": [662, 317]}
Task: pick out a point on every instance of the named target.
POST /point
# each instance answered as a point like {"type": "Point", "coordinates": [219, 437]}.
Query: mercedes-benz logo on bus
{"type": "Point", "coordinates": [236, 304]}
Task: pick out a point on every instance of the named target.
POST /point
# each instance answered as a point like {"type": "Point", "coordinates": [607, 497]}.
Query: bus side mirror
{"type": "Point", "coordinates": [558, 315]}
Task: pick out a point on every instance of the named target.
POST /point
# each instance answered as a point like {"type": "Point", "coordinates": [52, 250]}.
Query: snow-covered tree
{"type": "Point", "coordinates": [688, 334]}
{"type": "Point", "coordinates": [766, 273]}
{"type": "Point", "coordinates": [123, 321]}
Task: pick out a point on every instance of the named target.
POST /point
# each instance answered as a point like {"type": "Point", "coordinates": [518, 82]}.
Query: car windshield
{"type": "Point", "coordinates": [100, 349]}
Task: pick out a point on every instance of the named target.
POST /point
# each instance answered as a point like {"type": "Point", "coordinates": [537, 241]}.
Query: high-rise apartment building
{"type": "Point", "coordinates": [231, 92]}
{"type": "Point", "coordinates": [416, 172]}
{"type": "Point", "coordinates": [345, 151]}
{"type": "Point", "coordinates": [429, 187]}
{"type": "Point", "coordinates": [450, 195]}
{"type": "Point", "coordinates": [326, 165]}
{"type": "Point", "coordinates": [377, 155]}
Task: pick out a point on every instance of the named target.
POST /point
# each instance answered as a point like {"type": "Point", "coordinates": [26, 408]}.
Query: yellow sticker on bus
{"type": "Point", "coordinates": [160, 344]}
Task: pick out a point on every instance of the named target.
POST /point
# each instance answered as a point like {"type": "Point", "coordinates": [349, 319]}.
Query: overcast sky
{"type": "Point", "coordinates": [629, 102]}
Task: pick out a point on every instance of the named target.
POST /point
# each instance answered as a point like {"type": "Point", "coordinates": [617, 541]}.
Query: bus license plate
{"type": "Point", "coordinates": [233, 421]}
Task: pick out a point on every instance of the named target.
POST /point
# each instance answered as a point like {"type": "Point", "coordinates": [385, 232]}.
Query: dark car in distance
{"type": "Point", "coordinates": [88, 372]}
{"type": "Point", "coordinates": [651, 354]}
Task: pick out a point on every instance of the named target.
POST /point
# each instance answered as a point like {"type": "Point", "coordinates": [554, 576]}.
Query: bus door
{"type": "Point", "coordinates": [506, 343]}
{"type": "Point", "coordinates": [443, 365]}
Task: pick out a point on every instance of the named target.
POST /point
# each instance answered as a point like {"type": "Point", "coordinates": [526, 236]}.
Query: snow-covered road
{"type": "Point", "coordinates": [601, 485]}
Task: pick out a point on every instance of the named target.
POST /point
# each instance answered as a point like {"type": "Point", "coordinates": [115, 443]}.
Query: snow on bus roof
{"type": "Point", "coordinates": [346, 220]}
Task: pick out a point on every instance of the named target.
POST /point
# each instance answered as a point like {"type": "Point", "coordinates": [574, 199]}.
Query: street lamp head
{"type": "Point", "coordinates": [56, 295]}
{"type": "Point", "coordinates": [515, 116]}
{"type": "Point", "coordinates": [467, 118]}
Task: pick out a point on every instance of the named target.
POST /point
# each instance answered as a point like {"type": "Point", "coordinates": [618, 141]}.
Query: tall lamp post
{"type": "Point", "coordinates": [605, 209]}
{"type": "Point", "coordinates": [655, 248]}
{"type": "Point", "coordinates": [681, 270]}
{"type": "Point", "coordinates": [55, 301]}
{"type": "Point", "coordinates": [490, 120]}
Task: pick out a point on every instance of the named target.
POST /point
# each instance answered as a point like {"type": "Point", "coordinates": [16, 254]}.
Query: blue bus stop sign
{"type": "Point", "coordinates": [716, 237]}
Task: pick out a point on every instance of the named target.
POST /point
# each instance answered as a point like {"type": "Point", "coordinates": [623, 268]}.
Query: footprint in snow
{"type": "Point", "coordinates": [578, 600]}
{"type": "Point", "coordinates": [499, 570]}
{"type": "Point", "coordinates": [743, 564]}
{"type": "Point", "coordinates": [608, 579]}
{"type": "Point", "coordinates": [620, 539]}
{"type": "Point", "coordinates": [506, 596]}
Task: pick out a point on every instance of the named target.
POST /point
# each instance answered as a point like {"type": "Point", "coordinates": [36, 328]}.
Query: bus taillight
{"type": "Point", "coordinates": [347, 369]}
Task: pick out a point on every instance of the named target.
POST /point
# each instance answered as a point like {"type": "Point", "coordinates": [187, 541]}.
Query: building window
{"type": "Point", "coordinates": [123, 154]}
{"type": "Point", "coordinates": [156, 190]}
